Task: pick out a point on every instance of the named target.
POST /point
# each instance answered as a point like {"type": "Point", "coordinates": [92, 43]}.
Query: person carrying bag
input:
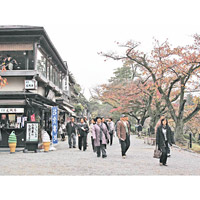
{"type": "Point", "coordinates": [157, 153]}
{"type": "Point", "coordinates": [163, 140]}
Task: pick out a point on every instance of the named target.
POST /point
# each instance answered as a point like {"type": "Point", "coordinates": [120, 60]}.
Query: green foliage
{"type": "Point", "coordinates": [122, 74]}
{"type": "Point", "coordinates": [77, 88]}
{"type": "Point", "coordinates": [102, 109]}
{"type": "Point", "coordinates": [78, 108]}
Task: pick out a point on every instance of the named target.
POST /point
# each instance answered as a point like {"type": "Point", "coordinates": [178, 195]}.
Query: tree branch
{"type": "Point", "coordinates": [192, 114]}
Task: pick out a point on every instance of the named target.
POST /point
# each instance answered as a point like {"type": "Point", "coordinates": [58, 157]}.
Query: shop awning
{"type": "Point", "coordinates": [69, 111]}
{"type": "Point", "coordinates": [16, 96]}
{"type": "Point", "coordinates": [12, 102]}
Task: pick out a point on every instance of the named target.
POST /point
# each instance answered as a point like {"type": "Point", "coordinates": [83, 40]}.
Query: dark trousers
{"type": "Point", "coordinates": [63, 136]}
{"type": "Point", "coordinates": [72, 138]}
{"type": "Point", "coordinates": [101, 149]}
{"type": "Point", "coordinates": [163, 157]}
{"type": "Point", "coordinates": [111, 138]}
{"type": "Point", "coordinates": [125, 145]}
{"type": "Point", "coordinates": [93, 147]}
{"type": "Point", "coordinates": [82, 142]}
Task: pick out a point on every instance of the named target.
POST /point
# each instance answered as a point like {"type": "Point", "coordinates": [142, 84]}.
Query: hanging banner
{"type": "Point", "coordinates": [54, 117]}
{"type": "Point", "coordinates": [33, 117]}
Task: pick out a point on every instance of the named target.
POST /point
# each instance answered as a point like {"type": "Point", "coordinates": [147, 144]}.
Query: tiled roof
{"type": "Point", "coordinates": [18, 26]}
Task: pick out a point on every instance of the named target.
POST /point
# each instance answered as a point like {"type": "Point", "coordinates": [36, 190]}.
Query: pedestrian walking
{"type": "Point", "coordinates": [163, 140]}
{"type": "Point", "coordinates": [91, 127]}
{"type": "Point", "coordinates": [104, 121]}
{"type": "Point", "coordinates": [83, 130]}
{"type": "Point", "coordinates": [87, 122]}
{"type": "Point", "coordinates": [101, 137]}
{"type": "Point", "coordinates": [123, 133]}
{"type": "Point", "coordinates": [71, 131]}
{"type": "Point", "coordinates": [139, 130]}
{"type": "Point", "coordinates": [116, 125]}
{"type": "Point", "coordinates": [156, 127]}
{"type": "Point", "coordinates": [62, 130]}
{"type": "Point", "coordinates": [111, 129]}
{"type": "Point", "coordinates": [159, 123]}
{"type": "Point", "coordinates": [49, 129]}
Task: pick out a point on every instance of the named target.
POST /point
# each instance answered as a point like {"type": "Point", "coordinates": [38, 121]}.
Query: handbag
{"type": "Point", "coordinates": [157, 153]}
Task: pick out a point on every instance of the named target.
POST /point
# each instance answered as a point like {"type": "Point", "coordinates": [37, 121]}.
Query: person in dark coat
{"type": "Point", "coordinates": [83, 130]}
{"type": "Point", "coordinates": [139, 130]}
{"type": "Point", "coordinates": [104, 121]}
{"type": "Point", "coordinates": [111, 129]}
{"type": "Point", "coordinates": [71, 132]}
{"type": "Point", "coordinates": [49, 129]}
{"type": "Point", "coordinates": [163, 140]}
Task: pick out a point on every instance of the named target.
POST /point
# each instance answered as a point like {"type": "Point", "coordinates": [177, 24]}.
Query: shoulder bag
{"type": "Point", "coordinates": [157, 153]}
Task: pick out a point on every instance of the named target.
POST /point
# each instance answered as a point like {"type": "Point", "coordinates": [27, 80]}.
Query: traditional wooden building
{"type": "Point", "coordinates": [37, 79]}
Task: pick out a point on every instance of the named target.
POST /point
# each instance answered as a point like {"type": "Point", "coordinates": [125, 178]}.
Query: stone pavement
{"type": "Point", "coordinates": [65, 161]}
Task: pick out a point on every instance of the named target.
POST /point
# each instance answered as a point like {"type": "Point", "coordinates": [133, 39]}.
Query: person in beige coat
{"type": "Point", "coordinates": [123, 133]}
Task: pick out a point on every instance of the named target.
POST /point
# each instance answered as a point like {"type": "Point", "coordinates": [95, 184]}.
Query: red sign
{"type": "Point", "coordinates": [33, 117]}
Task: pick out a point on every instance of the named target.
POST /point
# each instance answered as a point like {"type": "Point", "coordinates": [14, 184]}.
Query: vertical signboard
{"type": "Point", "coordinates": [54, 117]}
{"type": "Point", "coordinates": [32, 131]}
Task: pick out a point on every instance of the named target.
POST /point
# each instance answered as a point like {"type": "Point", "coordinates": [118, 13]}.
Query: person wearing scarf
{"type": "Point", "coordinates": [163, 140]}
{"type": "Point", "coordinates": [101, 137]}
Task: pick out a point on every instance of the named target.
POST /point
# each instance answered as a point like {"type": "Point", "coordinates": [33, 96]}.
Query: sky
{"type": "Point", "coordinates": [81, 29]}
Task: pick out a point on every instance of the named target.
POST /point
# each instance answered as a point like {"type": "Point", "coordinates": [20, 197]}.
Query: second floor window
{"type": "Point", "coordinates": [41, 63]}
{"type": "Point", "coordinates": [17, 60]}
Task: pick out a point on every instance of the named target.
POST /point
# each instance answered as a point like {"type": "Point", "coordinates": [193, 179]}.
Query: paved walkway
{"type": "Point", "coordinates": [65, 161]}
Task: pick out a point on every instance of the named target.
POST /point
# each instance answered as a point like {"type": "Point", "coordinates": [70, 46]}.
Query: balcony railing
{"type": "Point", "coordinates": [9, 73]}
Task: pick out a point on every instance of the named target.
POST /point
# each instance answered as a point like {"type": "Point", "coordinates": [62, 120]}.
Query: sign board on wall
{"type": "Point", "coordinates": [11, 110]}
{"type": "Point", "coordinates": [30, 84]}
{"type": "Point", "coordinates": [32, 131]}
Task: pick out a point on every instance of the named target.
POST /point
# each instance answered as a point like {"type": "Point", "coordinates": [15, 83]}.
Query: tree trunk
{"type": "Point", "coordinates": [152, 124]}
{"type": "Point", "coordinates": [143, 120]}
{"type": "Point", "coordinates": [179, 131]}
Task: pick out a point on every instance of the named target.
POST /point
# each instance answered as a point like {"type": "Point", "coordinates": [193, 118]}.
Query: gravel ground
{"type": "Point", "coordinates": [65, 161]}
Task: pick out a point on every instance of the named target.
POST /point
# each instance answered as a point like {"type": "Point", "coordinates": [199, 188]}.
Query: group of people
{"type": "Point", "coordinates": [101, 133]}
{"type": "Point", "coordinates": [8, 62]}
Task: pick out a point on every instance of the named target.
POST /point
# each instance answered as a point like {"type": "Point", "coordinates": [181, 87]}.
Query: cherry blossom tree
{"type": "Point", "coordinates": [173, 71]}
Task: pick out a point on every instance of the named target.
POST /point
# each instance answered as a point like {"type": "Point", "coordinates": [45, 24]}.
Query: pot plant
{"type": "Point", "coordinates": [12, 141]}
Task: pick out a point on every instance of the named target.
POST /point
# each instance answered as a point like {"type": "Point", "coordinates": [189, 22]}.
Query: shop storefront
{"type": "Point", "coordinates": [12, 118]}
{"type": "Point", "coordinates": [14, 113]}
